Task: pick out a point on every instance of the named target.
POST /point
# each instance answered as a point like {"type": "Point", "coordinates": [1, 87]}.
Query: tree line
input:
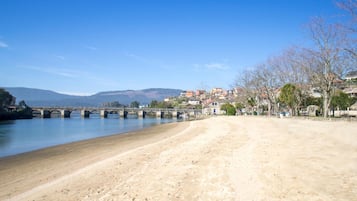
{"type": "Point", "coordinates": [133, 104]}
{"type": "Point", "coordinates": [286, 80]}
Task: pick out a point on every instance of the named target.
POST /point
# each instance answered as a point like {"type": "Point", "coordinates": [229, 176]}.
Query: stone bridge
{"type": "Point", "coordinates": [85, 112]}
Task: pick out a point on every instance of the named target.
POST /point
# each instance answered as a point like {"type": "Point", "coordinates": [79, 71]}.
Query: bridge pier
{"type": "Point", "coordinates": [174, 114]}
{"type": "Point", "coordinates": [42, 112]}
{"type": "Point", "coordinates": [123, 114]}
{"type": "Point", "coordinates": [141, 114]}
{"type": "Point", "coordinates": [192, 114]}
{"type": "Point", "coordinates": [85, 113]}
{"type": "Point", "coordinates": [45, 114]}
{"type": "Point", "coordinates": [159, 114]}
{"type": "Point", "coordinates": [103, 113]}
{"type": "Point", "coordinates": [65, 113]}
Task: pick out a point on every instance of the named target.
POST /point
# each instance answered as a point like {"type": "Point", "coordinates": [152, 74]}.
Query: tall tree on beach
{"type": "Point", "coordinates": [289, 67]}
{"type": "Point", "coordinates": [247, 93]}
{"type": "Point", "coordinates": [260, 84]}
{"type": "Point", "coordinates": [267, 82]}
{"type": "Point", "coordinates": [327, 61]}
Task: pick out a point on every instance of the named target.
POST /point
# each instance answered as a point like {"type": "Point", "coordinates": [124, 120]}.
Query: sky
{"type": "Point", "coordinates": [83, 47]}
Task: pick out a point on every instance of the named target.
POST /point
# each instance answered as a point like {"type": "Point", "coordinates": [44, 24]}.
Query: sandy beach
{"type": "Point", "coordinates": [220, 158]}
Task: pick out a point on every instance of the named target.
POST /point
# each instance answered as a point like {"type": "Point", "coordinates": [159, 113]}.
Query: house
{"type": "Point", "coordinates": [214, 108]}
{"type": "Point", "coordinates": [238, 91]}
{"type": "Point", "coordinates": [189, 94]}
{"type": "Point", "coordinates": [200, 92]}
{"type": "Point", "coordinates": [194, 102]}
{"type": "Point", "coordinates": [183, 94]}
{"type": "Point", "coordinates": [351, 91]}
{"type": "Point", "coordinates": [315, 92]}
{"type": "Point", "coordinates": [217, 92]}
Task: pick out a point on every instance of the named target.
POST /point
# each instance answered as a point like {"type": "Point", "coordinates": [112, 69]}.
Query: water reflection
{"type": "Point", "coordinates": [25, 135]}
{"type": "Point", "coordinates": [75, 114]}
{"type": "Point", "coordinates": [5, 133]}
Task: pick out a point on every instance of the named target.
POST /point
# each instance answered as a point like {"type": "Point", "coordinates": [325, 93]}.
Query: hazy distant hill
{"type": "Point", "coordinates": [39, 97]}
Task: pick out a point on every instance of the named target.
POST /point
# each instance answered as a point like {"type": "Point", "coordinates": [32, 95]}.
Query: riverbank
{"type": "Point", "coordinates": [5, 116]}
{"type": "Point", "coordinates": [221, 158]}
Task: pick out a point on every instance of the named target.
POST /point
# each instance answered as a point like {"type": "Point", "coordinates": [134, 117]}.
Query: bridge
{"type": "Point", "coordinates": [122, 112]}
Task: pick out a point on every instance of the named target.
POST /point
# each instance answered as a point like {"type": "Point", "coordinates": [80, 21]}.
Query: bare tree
{"type": "Point", "coordinates": [247, 89]}
{"type": "Point", "coordinates": [268, 82]}
{"type": "Point", "coordinates": [261, 84]}
{"type": "Point", "coordinates": [327, 62]}
{"type": "Point", "coordinates": [289, 68]}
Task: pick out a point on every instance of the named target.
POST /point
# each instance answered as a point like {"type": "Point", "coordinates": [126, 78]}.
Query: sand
{"type": "Point", "coordinates": [220, 158]}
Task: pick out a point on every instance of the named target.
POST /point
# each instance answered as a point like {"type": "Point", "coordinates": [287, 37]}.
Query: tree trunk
{"type": "Point", "coordinates": [325, 104]}
{"type": "Point", "coordinates": [296, 111]}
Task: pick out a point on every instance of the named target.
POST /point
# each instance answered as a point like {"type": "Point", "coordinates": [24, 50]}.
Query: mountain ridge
{"type": "Point", "coordinates": [42, 97]}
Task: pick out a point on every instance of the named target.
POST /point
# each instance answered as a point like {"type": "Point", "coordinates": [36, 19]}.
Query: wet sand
{"type": "Point", "coordinates": [220, 158]}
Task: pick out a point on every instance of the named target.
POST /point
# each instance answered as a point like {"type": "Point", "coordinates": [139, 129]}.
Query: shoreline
{"type": "Point", "coordinates": [105, 146]}
{"type": "Point", "coordinates": [218, 158]}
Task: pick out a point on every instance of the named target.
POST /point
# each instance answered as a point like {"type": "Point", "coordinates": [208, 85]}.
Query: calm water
{"type": "Point", "coordinates": [26, 135]}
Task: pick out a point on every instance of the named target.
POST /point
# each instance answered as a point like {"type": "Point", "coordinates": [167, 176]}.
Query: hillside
{"type": "Point", "coordinates": [39, 97]}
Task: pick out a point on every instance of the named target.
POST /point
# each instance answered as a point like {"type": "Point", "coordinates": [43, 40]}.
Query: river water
{"type": "Point", "coordinates": [21, 136]}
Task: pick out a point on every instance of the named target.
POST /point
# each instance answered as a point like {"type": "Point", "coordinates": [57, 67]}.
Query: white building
{"type": "Point", "coordinates": [194, 102]}
{"type": "Point", "coordinates": [213, 108]}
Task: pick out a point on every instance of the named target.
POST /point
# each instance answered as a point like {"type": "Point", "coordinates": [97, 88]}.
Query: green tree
{"type": "Point", "coordinates": [309, 100]}
{"type": "Point", "coordinates": [198, 107]}
{"type": "Point", "coordinates": [251, 101]}
{"type": "Point", "coordinates": [134, 104]}
{"type": "Point", "coordinates": [239, 106]}
{"type": "Point", "coordinates": [290, 95]}
{"type": "Point", "coordinates": [6, 99]}
{"type": "Point", "coordinates": [154, 104]}
{"type": "Point", "coordinates": [23, 105]}
{"type": "Point", "coordinates": [23, 111]}
{"type": "Point", "coordinates": [113, 104]}
{"type": "Point", "coordinates": [160, 104]}
{"type": "Point", "coordinates": [341, 100]}
{"type": "Point", "coordinates": [229, 108]}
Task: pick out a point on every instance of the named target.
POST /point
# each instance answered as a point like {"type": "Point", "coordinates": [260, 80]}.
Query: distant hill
{"type": "Point", "coordinates": [39, 97]}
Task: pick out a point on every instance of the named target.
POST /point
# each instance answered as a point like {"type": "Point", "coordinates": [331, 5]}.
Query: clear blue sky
{"type": "Point", "coordinates": [84, 46]}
